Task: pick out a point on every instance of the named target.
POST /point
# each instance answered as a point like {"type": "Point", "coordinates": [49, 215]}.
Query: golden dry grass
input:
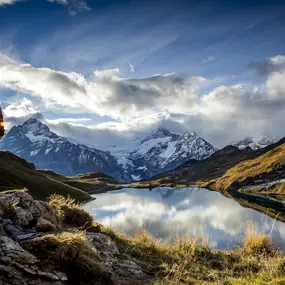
{"type": "Point", "coordinates": [257, 167]}
{"type": "Point", "coordinates": [71, 253]}
{"type": "Point", "coordinates": [191, 261]}
{"type": "Point", "coordinates": [69, 212]}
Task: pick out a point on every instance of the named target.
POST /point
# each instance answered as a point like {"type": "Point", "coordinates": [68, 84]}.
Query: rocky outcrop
{"type": "Point", "coordinates": [19, 215]}
{"type": "Point", "coordinates": [25, 221]}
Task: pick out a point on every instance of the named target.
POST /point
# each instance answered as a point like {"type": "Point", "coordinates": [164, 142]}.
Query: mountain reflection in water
{"type": "Point", "coordinates": [172, 213]}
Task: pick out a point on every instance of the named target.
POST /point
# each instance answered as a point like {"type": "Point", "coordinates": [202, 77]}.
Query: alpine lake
{"type": "Point", "coordinates": [170, 213]}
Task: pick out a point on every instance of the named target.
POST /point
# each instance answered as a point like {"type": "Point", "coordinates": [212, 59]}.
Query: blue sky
{"type": "Point", "coordinates": [196, 47]}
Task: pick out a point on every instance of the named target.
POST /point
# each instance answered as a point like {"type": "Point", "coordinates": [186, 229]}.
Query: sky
{"type": "Point", "coordinates": [106, 72]}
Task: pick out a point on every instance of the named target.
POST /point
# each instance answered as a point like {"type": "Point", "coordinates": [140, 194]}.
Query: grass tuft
{"type": "Point", "coordinates": [69, 212]}
{"type": "Point", "coordinates": [256, 242]}
{"type": "Point", "coordinates": [71, 253]}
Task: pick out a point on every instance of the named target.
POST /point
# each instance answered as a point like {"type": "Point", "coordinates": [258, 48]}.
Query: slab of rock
{"type": "Point", "coordinates": [13, 230]}
{"type": "Point", "coordinates": [128, 268]}
{"type": "Point", "coordinates": [104, 244]}
{"type": "Point", "coordinates": [19, 267]}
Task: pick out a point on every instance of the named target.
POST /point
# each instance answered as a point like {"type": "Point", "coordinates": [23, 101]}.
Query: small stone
{"type": "Point", "coordinates": [128, 268]}
{"type": "Point", "coordinates": [44, 225]}
{"type": "Point", "coordinates": [23, 237]}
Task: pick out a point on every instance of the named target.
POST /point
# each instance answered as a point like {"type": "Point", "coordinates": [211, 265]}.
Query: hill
{"type": "Point", "coordinates": [91, 182]}
{"type": "Point", "coordinates": [17, 173]}
{"type": "Point", "coordinates": [262, 169]}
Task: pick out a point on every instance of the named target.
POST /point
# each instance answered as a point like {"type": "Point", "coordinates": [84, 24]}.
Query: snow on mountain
{"type": "Point", "coordinates": [163, 151]}
{"type": "Point", "coordinates": [36, 143]}
{"type": "Point", "coordinates": [254, 142]}
{"type": "Point", "coordinates": [159, 152]}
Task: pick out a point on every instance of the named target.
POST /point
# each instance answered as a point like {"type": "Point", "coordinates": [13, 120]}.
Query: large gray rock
{"type": "Point", "coordinates": [104, 244]}
{"type": "Point", "coordinates": [28, 209]}
{"type": "Point", "coordinates": [19, 267]}
{"type": "Point", "coordinates": [128, 268]}
{"type": "Point", "coordinates": [22, 217]}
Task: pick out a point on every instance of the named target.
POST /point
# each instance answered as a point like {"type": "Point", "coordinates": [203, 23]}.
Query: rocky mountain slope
{"type": "Point", "coordinates": [267, 167]}
{"type": "Point", "coordinates": [254, 142]}
{"type": "Point", "coordinates": [35, 142]}
{"type": "Point", "coordinates": [17, 173]}
{"type": "Point", "coordinates": [163, 151]}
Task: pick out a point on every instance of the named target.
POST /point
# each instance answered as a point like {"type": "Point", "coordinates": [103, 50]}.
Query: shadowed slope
{"type": "Point", "coordinates": [17, 173]}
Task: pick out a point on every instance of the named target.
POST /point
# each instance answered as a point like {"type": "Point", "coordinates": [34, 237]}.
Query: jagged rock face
{"type": "Point", "coordinates": [254, 143]}
{"type": "Point", "coordinates": [164, 151]}
{"type": "Point", "coordinates": [18, 266]}
{"type": "Point", "coordinates": [34, 142]}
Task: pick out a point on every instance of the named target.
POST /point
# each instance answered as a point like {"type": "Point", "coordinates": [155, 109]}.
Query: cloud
{"type": "Point", "coordinates": [9, 2]}
{"type": "Point", "coordinates": [269, 65]}
{"type": "Point", "coordinates": [132, 68]}
{"type": "Point", "coordinates": [107, 94]}
{"type": "Point", "coordinates": [139, 105]}
{"type": "Point", "coordinates": [20, 111]}
{"type": "Point", "coordinates": [209, 59]}
{"type": "Point", "coordinates": [75, 6]}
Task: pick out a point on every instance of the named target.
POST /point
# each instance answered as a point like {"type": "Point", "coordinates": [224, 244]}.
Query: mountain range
{"type": "Point", "coordinates": [160, 152]}
{"type": "Point", "coordinates": [255, 142]}
{"type": "Point", "coordinates": [35, 142]}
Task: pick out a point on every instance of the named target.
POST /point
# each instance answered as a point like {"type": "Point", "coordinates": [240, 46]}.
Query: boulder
{"type": "Point", "coordinates": [44, 225]}
{"type": "Point", "coordinates": [104, 244]}
{"type": "Point", "coordinates": [22, 217]}
{"type": "Point", "coordinates": [19, 267]}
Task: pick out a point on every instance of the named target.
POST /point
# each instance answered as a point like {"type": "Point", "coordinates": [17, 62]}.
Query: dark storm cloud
{"type": "Point", "coordinates": [268, 65]}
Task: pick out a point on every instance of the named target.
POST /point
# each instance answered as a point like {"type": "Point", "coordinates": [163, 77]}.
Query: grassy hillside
{"type": "Point", "coordinates": [267, 167]}
{"type": "Point", "coordinates": [92, 182]}
{"type": "Point", "coordinates": [207, 169]}
{"type": "Point", "coordinates": [17, 173]}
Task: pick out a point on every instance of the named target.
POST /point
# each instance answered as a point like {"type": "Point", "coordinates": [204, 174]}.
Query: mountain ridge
{"type": "Point", "coordinates": [35, 142]}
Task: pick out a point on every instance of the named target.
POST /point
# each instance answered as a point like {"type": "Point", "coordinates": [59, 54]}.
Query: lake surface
{"type": "Point", "coordinates": [172, 213]}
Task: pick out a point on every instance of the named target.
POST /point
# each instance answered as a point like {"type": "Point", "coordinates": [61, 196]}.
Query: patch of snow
{"type": "Point", "coordinates": [48, 150]}
{"type": "Point", "coordinates": [170, 150]}
{"type": "Point", "coordinates": [136, 177]}
{"type": "Point", "coordinates": [39, 138]}
{"type": "Point", "coordinates": [34, 152]}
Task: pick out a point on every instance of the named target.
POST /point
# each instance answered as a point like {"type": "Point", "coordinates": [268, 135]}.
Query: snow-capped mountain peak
{"type": "Point", "coordinates": [255, 143]}
{"type": "Point", "coordinates": [35, 142]}
{"type": "Point", "coordinates": [160, 132]}
{"type": "Point", "coordinates": [163, 151]}
{"type": "Point", "coordinates": [35, 126]}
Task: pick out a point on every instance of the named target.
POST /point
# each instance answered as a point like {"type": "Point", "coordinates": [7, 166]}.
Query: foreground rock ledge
{"type": "Point", "coordinates": [23, 219]}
